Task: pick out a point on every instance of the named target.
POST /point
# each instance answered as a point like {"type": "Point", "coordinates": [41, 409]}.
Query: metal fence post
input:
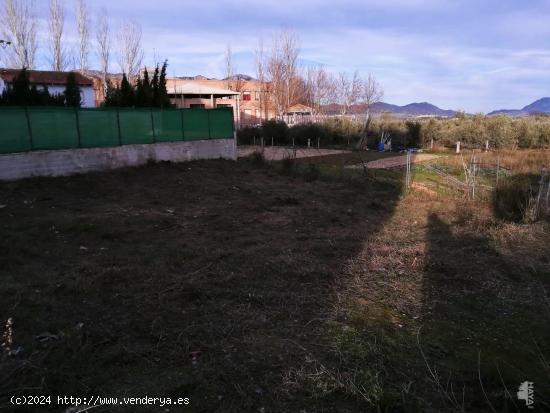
{"type": "Point", "coordinates": [182, 124]}
{"type": "Point", "coordinates": [153, 126]}
{"type": "Point", "coordinates": [208, 118]}
{"type": "Point", "coordinates": [77, 126]}
{"type": "Point", "coordinates": [29, 127]}
{"type": "Point", "coordinates": [118, 124]}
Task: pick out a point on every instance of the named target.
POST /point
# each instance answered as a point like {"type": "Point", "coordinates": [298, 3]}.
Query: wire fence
{"type": "Point", "coordinates": [42, 128]}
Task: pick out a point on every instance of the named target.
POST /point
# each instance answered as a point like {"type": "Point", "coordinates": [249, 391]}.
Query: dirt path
{"type": "Point", "coordinates": [396, 161]}
{"type": "Point", "coordinates": [277, 153]}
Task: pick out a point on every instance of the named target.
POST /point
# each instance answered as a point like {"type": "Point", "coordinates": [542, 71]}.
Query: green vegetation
{"type": "Point", "coordinates": [145, 92]}
{"type": "Point", "coordinates": [21, 93]}
{"type": "Point", "coordinates": [502, 132]}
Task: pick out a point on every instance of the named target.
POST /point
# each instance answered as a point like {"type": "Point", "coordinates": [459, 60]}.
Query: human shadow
{"type": "Point", "coordinates": [485, 321]}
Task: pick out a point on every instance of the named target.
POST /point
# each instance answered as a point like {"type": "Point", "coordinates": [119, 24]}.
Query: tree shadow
{"type": "Point", "coordinates": [485, 318]}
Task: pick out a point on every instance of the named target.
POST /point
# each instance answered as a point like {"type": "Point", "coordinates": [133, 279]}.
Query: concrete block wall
{"type": "Point", "coordinates": [72, 161]}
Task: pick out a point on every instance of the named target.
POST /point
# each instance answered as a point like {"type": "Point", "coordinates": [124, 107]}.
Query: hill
{"type": "Point", "coordinates": [539, 106]}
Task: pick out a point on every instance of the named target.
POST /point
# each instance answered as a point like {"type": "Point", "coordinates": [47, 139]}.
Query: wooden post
{"type": "Point", "coordinates": [487, 145]}
{"type": "Point", "coordinates": [458, 147]}
{"type": "Point", "coordinates": [309, 142]}
{"type": "Point", "coordinates": [318, 143]}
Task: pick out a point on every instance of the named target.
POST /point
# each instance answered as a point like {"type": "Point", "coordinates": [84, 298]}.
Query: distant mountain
{"type": "Point", "coordinates": [412, 109]}
{"type": "Point", "coordinates": [538, 106]}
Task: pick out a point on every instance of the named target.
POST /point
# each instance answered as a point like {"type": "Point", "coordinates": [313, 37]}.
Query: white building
{"type": "Point", "coordinates": [54, 81]}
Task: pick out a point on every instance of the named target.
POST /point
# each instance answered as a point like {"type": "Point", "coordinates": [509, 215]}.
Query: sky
{"type": "Point", "coordinates": [468, 55]}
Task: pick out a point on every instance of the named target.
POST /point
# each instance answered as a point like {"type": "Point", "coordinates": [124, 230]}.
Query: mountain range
{"type": "Point", "coordinates": [538, 106]}
{"type": "Point", "coordinates": [427, 109]}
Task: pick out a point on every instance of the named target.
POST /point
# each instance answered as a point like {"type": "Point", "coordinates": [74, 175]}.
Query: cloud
{"type": "Point", "coordinates": [471, 55]}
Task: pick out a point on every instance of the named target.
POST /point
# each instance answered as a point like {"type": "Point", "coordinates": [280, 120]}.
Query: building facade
{"type": "Point", "coordinates": [54, 81]}
{"type": "Point", "coordinates": [249, 98]}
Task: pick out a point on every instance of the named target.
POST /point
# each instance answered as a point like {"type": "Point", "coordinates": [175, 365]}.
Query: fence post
{"type": "Point", "coordinates": [77, 126]}
{"type": "Point", "coordinates": [153, 125]}
{"type": "Point", "coordinates": [118, 124]}
{"type": "Point", "coordinates": [29, 127]}
{"type": "Point", "coordinates": [182, 128]}
{"type": "Point", "coordinates": [208, 118]}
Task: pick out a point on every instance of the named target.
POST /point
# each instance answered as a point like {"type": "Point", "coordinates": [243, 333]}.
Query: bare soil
{"type": "Point", "coordinates": [251, 288]}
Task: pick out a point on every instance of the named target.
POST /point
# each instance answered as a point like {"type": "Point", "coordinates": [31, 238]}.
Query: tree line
{"type": "Point", "coordinates": [145, 92]}
{"type": "Point", "coordinates": [20, 25]}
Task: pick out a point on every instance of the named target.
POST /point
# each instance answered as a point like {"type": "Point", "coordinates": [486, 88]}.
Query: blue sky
{"type": "Point", "coordinates": [471, 55]}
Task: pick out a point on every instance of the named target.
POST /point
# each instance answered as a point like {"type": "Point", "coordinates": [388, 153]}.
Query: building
{"type": "Point", "coordinates": [54, 81]}
{"type": "Point", "coordinates": [249, 98]}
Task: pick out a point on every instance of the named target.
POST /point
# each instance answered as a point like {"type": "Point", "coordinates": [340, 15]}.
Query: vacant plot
{"type": "Point", "coordinates": [277, 153]}
{"type": "Point", "coordinates": [250, 287]}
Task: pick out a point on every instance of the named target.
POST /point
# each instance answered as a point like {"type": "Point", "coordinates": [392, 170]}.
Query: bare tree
{"type": "Point", "coordinates": [56, 24]}
{"type": "Point", "coordinates": [103, 42]}
{"type": "Point", "coordinates": [83, 25]}
{"type": "Point", "coordinates": [261, 76]}
{"type": "Point", "coordinates": [228, 65]}
{"type": "Point", "coordinates": [18, 26]}
{"type": "Point", "coordinates": [281, 71]}
{"type": "Point", "coordinates": [130, 53]}
{"type": "Point", "coordinates": [349, 90]}
{"type": "Point", "coordinates": [371, 93]}
{"type": "Point", "coordinates": [320, 88]}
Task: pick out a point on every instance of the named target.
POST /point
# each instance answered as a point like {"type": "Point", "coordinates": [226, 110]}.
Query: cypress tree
{"type": "Point", "coordinates": [72, 91]}
{"type": "Point", "coordinates": [147, 89]}
{"type": "Point", "coordinates": [140, 99]}
{"type": "Point", "coordinates": [163, 98]}
{"type": "Point", "coordinates": [21, 89]}
{"type": "Point", "coordinates": [127, 96]}
{"type": "Point", "coordinates": [111, 94]}
{"type": "Point", "coordinates": [155, 87]}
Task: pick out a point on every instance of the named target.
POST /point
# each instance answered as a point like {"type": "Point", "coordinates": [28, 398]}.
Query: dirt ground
{"type": "Point", "coordinates": [277, 153]}
{"type": "Point", "coordinates": [397, 161]}
{"type": "Point", "coordinates": [250, 287]}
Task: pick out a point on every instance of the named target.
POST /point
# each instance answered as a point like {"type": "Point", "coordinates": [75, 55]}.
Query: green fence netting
{"type": "Point", "coordinates": [168, 125]}
{"type": "Point", "coordinates": [32, 128]}
{"type": "Point", "coordinates": [53, 128]}
{"type": "Point", "coordinates": [14, 131]}
{"type": "Point", "coordinates": [98, 128]}
{"type": "Point", "coordinates": [195, 124]}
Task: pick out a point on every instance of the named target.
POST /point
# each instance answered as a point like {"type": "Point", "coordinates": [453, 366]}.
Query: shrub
{"type": "Point", "coordinates": [278, 130]}
{"type": "Point", "coordinates": [246, 135]}
{"type": "Point", "coordinates": [302, 132]}
{"type": "Point", "coordinates": [512, 197]}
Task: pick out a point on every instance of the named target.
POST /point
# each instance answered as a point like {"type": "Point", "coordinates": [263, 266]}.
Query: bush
{"type": "Point", "coordinates": [246, 135]}
{"type": "Point", "coordinates": [276, 129]}
{"type": "Point", "coordinates": [512, 197]}
{"type": "Point", "coordinates": [302, 132]}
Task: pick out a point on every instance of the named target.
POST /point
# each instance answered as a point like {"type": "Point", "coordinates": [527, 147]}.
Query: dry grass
{"type": "Point", "coordinates": [528, 161]}
{"type": "Point", "coordinates": [249, 289]}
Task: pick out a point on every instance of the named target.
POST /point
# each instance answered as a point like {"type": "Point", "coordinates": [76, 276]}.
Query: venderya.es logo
{"type": "Point", "coordinates": [526, 392]}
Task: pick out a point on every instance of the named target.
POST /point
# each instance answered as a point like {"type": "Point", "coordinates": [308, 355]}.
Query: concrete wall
{"type": "Point", "coordinates": [71, 161]}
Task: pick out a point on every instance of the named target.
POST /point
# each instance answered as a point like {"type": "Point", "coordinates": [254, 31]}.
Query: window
{"type": "Point", "coordinates": [257, 113]}
{"type": "Point", "coordinates": [223, 105]}
{"type": "Point", "coordinates": [196, 105]}
{"type": "Point", "coordinates": [246, 96]}
{"type": "Point", "coordinates": [257, 95]}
